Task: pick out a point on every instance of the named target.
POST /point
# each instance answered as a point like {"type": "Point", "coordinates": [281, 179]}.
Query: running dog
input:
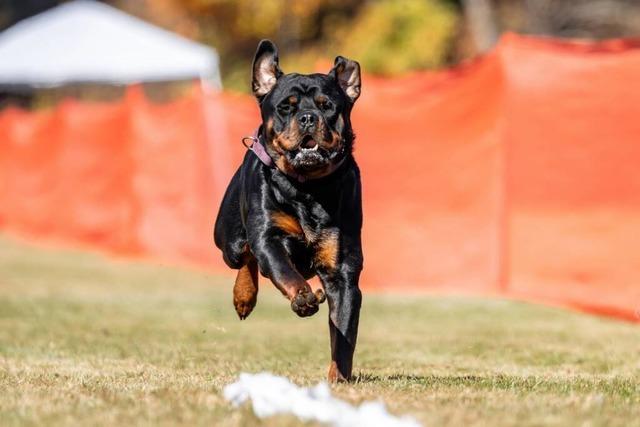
{"type": "Point", "coordinates": [293, 209]}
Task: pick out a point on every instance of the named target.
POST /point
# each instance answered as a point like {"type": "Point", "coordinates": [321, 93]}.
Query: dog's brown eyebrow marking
{"type": "Point", "coordinates": [286, 223]}
{"type": "Point", "coordinates": [293, 99]}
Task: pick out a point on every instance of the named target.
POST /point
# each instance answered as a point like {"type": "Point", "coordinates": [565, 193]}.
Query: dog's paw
{"type": "Point", "coordinates": [306, 303]}
{"type": "Point", "coordinates": [243, 308]}
{"type": "Point", "coordinates": [335, 376]}
{"type": "Point", "coordinates": [319, 293]}
{"type": "Point", "coordinates": [245, 290]}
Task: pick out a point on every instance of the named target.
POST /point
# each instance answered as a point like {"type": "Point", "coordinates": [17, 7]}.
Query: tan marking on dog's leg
{"type": "Point", "coordinates": [286, 223]}
{"type": "Point", "coordinates": [334, 375]}
{"type": "Point", "coordinates": [327, 250]}
{"type": "Point", "coordinates": [245, 290]}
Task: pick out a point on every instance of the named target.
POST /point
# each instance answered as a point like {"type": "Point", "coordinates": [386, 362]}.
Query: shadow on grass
{"type": "Point", "coordinates": [363, 378]}
{"type": "Point", "coordinates": [563, 385]}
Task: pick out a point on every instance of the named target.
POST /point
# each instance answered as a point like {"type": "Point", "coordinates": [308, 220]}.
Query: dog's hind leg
{"type": "Point", "coordinates": [245, 290]}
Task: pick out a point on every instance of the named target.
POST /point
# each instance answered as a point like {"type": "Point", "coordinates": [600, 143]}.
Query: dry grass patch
{"type": "Point", "coordinates": [88, 340]}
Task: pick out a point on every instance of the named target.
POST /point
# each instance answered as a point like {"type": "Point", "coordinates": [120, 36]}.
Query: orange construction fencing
{"type": "Point", "coordinates": [516, 174]}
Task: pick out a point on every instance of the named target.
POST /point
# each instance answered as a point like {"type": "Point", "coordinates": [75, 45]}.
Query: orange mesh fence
{"type": "Point", "coordinates": [515, 174]}
{"type": "Point", "coordinates": [572, 137]}
{"type": "Point", "coordinates": [429, 150]}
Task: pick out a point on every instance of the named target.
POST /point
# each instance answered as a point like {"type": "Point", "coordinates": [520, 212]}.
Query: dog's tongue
{"type": "Point", "coordinates": [308, 142]}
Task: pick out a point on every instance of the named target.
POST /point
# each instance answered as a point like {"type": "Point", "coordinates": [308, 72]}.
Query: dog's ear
{"type": "Point", "coordinates": [347, 74]}
{"type": "Point", "coordinates": [265, 69]}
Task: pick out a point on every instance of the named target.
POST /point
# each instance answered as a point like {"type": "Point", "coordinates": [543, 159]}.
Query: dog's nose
{"type": "Point", "coordinates": [307, 121]}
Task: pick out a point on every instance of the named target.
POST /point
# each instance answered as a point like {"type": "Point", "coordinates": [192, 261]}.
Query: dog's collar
{"type": "Point", "coordinates": [254, 143]}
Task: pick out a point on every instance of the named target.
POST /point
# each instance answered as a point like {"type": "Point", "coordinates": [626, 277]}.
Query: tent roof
{"type": "Point", "coordinates": [87, 41]}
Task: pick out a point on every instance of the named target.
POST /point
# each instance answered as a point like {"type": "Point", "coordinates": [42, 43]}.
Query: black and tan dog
{"type": "Point", "coordinates": [293, 209]}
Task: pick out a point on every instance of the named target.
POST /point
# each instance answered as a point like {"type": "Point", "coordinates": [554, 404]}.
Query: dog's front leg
{"type": "Point", "coordinates": [275, 263]}
{"type": "Point", "coordinates": [345, 299]}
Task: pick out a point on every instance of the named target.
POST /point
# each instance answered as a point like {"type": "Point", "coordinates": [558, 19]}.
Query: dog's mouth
{"type": "Point", "coordinates": [309, 155]}
{"type": "Point", "coordinates": [308, 144]}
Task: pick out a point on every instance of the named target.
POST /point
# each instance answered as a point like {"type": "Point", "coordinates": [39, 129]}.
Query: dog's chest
{"type": "Point", "coordinates": [312, 223]}
{"type": "Point", "coordinates": [323, 239]}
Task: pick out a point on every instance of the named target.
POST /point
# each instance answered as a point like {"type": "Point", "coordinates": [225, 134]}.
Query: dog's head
{"type": "Point", "coordinates": [306, 118]}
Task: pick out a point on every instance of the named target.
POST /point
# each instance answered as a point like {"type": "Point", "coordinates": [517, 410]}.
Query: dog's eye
{"type": "Point", "coordinates": [326, 105]}
{"type": "Point", "coordinates": [285, 108]}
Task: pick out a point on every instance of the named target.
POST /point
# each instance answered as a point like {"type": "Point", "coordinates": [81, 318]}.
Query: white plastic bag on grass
{"type": "Point", "coordinates": [272, 395]}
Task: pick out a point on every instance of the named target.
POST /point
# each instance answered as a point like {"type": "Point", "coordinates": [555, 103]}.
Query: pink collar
{"type": "Point", "coordinates": [253, 143]}
{"type": "Point", "coordinates": [260, 151]}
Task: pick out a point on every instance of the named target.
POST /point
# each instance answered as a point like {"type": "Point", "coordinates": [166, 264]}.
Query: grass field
{"type": "Point", "coordinates": [86, 340]}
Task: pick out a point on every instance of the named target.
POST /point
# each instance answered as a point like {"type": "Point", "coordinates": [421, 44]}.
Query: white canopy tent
{"type": "Point", "coordinates": [89, 42]}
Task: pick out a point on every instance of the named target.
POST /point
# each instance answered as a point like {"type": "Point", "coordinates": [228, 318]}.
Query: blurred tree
{"type": "Point", "coordinates": [298, 27]}
{"type": "Point", "coordinates": [386, 36]}
{"type": "Point", "coordinates": [592, 19]}
{"type": "Point", "coordinates": [583, 18]}
{"type": "Point", "coordinates": [394, 36]}
{"type": "Point", "coordinates": [170, 14]}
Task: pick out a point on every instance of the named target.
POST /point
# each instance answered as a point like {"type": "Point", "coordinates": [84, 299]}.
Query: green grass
{"type": "Point", "coordinates": [86, 340]}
